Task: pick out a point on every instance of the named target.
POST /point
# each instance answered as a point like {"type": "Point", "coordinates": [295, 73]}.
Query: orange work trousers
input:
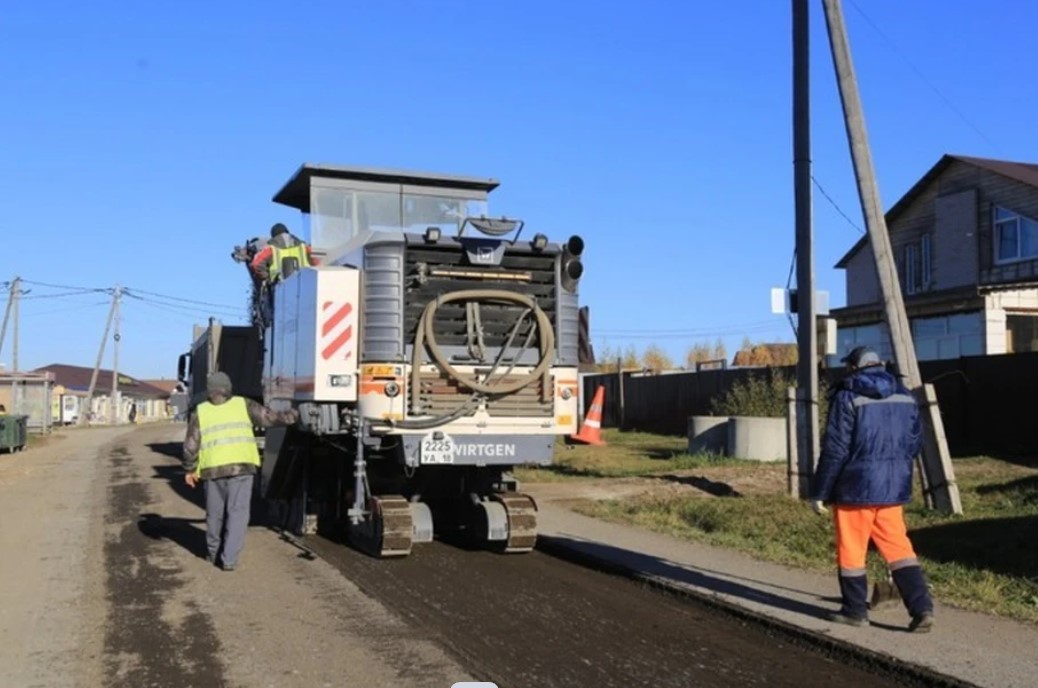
{"type": "Point", "coordinates": [884, 525]}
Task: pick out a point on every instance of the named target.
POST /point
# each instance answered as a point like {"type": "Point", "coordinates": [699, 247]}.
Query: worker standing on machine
{"type": "Point", "coordinates": [273, 262]}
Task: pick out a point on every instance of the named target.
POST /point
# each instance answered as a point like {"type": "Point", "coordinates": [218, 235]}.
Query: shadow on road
{"type": "Point", "coordinates": [172, 449]}
{"type": "Point", "coordinates": [179, 530]}
{"type": "Point", "coordinates": [624, 561]}
{"type": "Point", "coordinates": [174, 475]}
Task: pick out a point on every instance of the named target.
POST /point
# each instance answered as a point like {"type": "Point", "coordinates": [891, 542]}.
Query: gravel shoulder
{"type": "Point", "coordinates": [108, 585]}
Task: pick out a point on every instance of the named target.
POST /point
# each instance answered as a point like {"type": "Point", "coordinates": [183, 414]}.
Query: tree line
{"type": "Point", "coordinates": [654, 358]}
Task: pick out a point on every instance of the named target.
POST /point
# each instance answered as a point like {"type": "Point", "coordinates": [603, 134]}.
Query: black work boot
{"type": "Point", "coordinates": [854, 590]}
{"type": "Point", "coordinates": [916, 596]}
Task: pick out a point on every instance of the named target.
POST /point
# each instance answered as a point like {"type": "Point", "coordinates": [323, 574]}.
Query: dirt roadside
{"type": "Point", "coordinates": [113, 590]}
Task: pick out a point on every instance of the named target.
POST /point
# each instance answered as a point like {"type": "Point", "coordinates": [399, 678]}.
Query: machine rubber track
{"type": "Point", "coordinates": [388, 532]}
{"type": "Point", "coordinates": [521, 511]}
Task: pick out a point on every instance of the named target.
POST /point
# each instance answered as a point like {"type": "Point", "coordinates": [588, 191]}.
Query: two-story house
{"type": "Point", "coordinates": [965, 238]}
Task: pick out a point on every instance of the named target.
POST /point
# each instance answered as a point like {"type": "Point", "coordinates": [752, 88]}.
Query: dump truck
{"type": "Point", "coordinates": [233, 349]}
{"type": "Point", "coordinates": [430, 350]}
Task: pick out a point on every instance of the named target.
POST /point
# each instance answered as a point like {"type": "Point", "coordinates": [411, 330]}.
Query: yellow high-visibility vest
{"type": "Point", "coordinates": [280, 254]}
{"type": "Point", "coordinates": [227, 436]}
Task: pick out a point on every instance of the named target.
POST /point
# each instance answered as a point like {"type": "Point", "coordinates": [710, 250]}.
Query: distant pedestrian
{"type": "Point", "coordinates": [865, 472]}
{"type": "Point", "coordinates": [133, 413]}
{"type": "Point", "coordinates": [220, 449]}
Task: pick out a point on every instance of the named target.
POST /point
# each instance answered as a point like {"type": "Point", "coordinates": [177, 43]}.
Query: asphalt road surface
{"type": "Point", "coordinates": [105, 583]}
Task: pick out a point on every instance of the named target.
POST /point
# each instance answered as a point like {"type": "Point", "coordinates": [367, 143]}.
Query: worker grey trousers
{"type": "Point", "coordinates": [227, 503]}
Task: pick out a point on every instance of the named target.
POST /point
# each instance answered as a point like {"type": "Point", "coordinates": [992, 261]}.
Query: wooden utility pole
{"type": "Point", "coordinates": [85, 411]}
{"type": "Point", "coordinates": [115, 359]}
{"type": "Point", "coordinates": [806, 420]}
{"type": "Point", "coordinates": [938, 475]}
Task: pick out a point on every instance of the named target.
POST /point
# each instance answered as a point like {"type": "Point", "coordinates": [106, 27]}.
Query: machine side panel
{"type": "Point", "coordinates": [286, 325]}
{"type": "Point", "coordinates": [332, 296]}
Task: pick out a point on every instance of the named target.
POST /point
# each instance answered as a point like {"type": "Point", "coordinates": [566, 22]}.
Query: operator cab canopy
{"type": "Point", "coordinates": [338, 203]}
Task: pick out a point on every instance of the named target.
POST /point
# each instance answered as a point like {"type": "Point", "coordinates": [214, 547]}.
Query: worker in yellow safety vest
{"type": "Point", "coordinates": [220, 450]}
{"type": "Point", "coordinates": [269, 263]}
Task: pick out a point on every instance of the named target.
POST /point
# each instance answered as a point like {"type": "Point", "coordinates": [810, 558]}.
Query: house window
{"type": "Point", "coordinates": [1021, 333]}
{"type": "Point", "coordinates": [912, 268]}
{"type": "Point", "coordinates": [916, 265]}
{"type": "Point", "coordinates": [1016, 236]}
{"type": "Point", "coordinates": [948, 336]}
{"type": "Point", "coordinates": [925, 251]}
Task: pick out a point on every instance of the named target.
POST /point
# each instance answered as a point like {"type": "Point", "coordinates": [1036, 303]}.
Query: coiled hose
{"type": "Point", "coordinates": [425, 336]}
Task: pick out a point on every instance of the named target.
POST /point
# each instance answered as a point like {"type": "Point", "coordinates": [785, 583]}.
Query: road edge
{"type": "Point", "coordinates": [838, 649]}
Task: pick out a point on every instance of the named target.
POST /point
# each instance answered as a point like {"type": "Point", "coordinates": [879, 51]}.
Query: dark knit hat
{"type": "Point", "coordinates": [219, 382]}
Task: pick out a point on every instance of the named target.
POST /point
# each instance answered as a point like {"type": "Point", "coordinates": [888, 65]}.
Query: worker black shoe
{"type": "Point", "coordinates": [839, 617]}
{"type": "Point", "coordinates": [921, 623]}
{"type": "Point", "coordinates": [229, 567]}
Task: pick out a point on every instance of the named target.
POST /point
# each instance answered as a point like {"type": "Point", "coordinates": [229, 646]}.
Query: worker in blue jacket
{"type": "Point", "coordinates": [865, 473]}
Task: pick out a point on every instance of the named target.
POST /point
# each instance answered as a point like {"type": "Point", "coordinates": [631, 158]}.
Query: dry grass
{"type": "Point", "coordinates": [985, 560]}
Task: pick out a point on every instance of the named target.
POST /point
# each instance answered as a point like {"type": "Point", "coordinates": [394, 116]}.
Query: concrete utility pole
{"type": "Point", "coordinates": [938, 476]}
{"type": "Point", "coordinates": [84, 412]}
{"type": "Point", "coordinates": [13, 288]}
{"type": "Point", "coordinates": [16, 297]}
{"type": "Point", "coordinates": [807, 336]}
{"type": "Point", "coordinates": [115, 359]}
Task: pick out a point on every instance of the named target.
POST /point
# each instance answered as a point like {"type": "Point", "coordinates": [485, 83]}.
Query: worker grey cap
{"type": "Point", "coordinates": [862, 356]}
{"type": "Point", "coordinates": [219, 382]}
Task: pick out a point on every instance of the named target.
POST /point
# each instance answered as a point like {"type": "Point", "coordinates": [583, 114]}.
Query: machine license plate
{"type": "Point", "coordinates": [437, 450]}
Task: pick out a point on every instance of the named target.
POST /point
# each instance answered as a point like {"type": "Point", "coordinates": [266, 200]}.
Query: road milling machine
{"type": "Point", "coordinates": [431, 349]}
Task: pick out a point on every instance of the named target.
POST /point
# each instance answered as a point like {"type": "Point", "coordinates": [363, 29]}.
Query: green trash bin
{"type": "Point", "coordinates": [12, 433]}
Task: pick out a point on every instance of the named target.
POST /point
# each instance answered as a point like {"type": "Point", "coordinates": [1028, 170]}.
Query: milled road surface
{"type": "Point", "coordinates": [533, 620]}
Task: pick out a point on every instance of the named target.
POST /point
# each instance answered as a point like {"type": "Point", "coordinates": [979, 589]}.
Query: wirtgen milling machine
{"type": "Point", "coordinates": [431, 350]}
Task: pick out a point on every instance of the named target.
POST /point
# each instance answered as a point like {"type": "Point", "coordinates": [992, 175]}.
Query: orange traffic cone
{"type": "Point", "coordinates": [591, 431]}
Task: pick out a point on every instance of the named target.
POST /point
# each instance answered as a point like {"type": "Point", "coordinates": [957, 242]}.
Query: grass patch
{"type": "Point", "coordinates": [626, 454]}
{"type": "Point", "coordinates": [985, 560]}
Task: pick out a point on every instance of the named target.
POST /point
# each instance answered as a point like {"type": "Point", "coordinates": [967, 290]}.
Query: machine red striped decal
{"type": "Point", "coordinates": [336, 328]}
{"type": "Point", "coordinates": [335, 318]}
{"type": "Point", "coordinates": [338, 343]}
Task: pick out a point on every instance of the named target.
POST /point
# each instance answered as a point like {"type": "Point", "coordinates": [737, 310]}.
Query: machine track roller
{"type": "Point", "coordinates": [521, 511]}
{"type": "Point", "coordinates": [388, 531]}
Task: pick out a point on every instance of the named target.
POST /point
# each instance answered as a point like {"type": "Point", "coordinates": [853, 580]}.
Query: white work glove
{"type": "Point", "coordinates": [818, 507]}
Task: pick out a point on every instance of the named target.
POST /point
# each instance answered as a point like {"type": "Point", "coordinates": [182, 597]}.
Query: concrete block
{"type": "Point", "coordinates": [757, 439]}
{"type": "Point", "coordinates": [708, 435]}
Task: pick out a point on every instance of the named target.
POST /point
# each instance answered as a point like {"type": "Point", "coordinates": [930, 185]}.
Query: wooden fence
{"type": "Point", "coordinates": [989, 404]}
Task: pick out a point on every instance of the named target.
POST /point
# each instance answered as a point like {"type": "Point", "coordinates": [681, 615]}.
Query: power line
{"type": "Point", "coordinates": [919, 73]}
{"type": "Point", "coordinates": [688, 330]}
{"type": "Point", "coordinates": [179, 299]}
{"type": "Point", "coordinates": [227, 311]}
{"type": "Point", "coordinates": [65, 309]}
{"type": "Point", "coordinates": [716, 333]}
{"type": "Point", "coordinates": [66, 294]}
{"type": "Point", "coordinates": [63, 286]}
{"type": "Point", "coordinates": [836, 205]}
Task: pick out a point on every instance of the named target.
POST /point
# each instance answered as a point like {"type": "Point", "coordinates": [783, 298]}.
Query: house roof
{"type": "Point", "coordinates": [1024, 172]}
{"type": "Point", "coordinates": [166, 385]}
{"type": "Point", "coordinates": [77, 378]}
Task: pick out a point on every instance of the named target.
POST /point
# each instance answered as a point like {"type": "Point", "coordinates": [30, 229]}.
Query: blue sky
{"type": "Point", "coordinates": [142, 141]}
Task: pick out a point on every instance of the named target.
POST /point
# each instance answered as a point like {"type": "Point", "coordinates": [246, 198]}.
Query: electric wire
{"type": "Point", "coordinates": [901, 54]}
